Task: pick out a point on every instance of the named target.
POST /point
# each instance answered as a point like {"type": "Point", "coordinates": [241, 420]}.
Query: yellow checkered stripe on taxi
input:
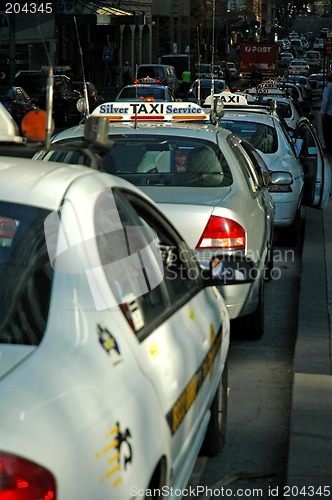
{"type": "Point", "coordinates": [190, 392]}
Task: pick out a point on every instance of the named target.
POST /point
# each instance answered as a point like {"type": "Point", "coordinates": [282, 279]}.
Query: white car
{"type": "Point", "coordinates": [285, 58]}
{"type": "Point", "coordinates": [287, 107]}
{"type": "Point", "coordinates": [113, 340]}
{"type": "Point", "coordinates": [310, 181]}
{"type": "Point", "coordinates": [233, 70]}
{"type": "Point", "coordinates": [314, 59]}
{"type": "Point", "coordinates": [298, 67]}
{"type": "Point", "coordinates": [319, 44]}
{"type": "Point", "coordinates": [216, 205]}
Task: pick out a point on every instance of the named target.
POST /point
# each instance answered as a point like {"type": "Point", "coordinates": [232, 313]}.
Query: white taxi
{"type": "Point", "coordinates": [300, 161]}
{"type": "Point", "coordinates": [203, 179]}
{"type": "Point", "coordinates": [113, 340]}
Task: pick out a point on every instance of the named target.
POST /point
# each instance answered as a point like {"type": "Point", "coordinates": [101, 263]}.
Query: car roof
{"type": "Point", "coordinates": [44, 185]}
{"type": "Point", "coordinates": [208, 81]}
{"type": "Point", "coordinates": [249, 114]}
{"type": "Point", "coordinates": [205, 131]}
{"type": "Point", "coordinates": [145, 86]}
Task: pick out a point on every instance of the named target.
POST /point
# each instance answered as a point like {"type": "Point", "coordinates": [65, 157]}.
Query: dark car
{"type": "Point", "coordinates": [201, 89]}
{"type": "Point", "coordinates": [162, 74]}
{"type": "Point", "coordinates": [17, 102]}
{"type": "Point", "coordinates": [93, 95]}
{"type": "Point", "coordinates": [65, 96]}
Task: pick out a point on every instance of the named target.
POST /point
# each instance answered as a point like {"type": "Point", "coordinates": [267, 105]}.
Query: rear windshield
{"type": "Point", "coordinates": [261, 136]}
{"type": "Point", "coordinates": [26, 274]}
{"type": "Point", "coordinates": [142, 92]}
{"type": "Point", "coordinates": [177, 162]}
{"type": "Point", "coordinates": [148, 160]}
{"type": "Point", "coordinates": [150, 71]}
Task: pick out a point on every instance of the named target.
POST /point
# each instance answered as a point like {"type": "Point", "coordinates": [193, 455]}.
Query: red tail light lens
{"type": "Point", "coordinates": [21, 479]}
{"type": "Point", "coordinates": [222, 233]}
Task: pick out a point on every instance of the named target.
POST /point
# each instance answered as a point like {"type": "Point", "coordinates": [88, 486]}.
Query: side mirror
{"type": "Point", "coordinates": [281, 178]}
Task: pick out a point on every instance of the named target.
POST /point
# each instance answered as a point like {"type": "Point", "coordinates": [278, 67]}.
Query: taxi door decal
{"type": "Point", "coordinates": [107, 340]}
{"type": "Point", "coordinates": [118, 454]}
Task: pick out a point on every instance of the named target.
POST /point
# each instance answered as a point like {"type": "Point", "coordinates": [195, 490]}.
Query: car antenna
{"type": "Point", "coordinates": [49, 94]}
{"type": "Point", "coordinates": [136, 94]}
{"type": "Point", "coordinates": [213, 48]}
{"type": "Point", "coordinates": [199, 68]}
{"type": "Point", "coordinates": [85, 88]}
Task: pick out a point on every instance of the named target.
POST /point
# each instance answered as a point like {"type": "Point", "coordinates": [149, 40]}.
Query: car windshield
{"type": "Point", "coordinates": [260, 135]}
{"type": "Point", "coordinates": [26, 274]}
{"type": "Point", "coordinates": [147, 160]}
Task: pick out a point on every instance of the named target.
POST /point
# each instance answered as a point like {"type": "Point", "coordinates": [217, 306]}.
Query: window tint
{"type": "Point", "coordinates": [155, 162]}
{"type": "Point", "coordinates": [147, 267]}
{"type": "Point", "coordinates": [260, 135]}
{"type": "Point", "coordinates": [25, 274]}
{"type": "Point", "coordinates": [142, 93]}
{"type": "Point", "coordinates": [256, 165]}
{"type": "Point", "coordinates": [243, 162]}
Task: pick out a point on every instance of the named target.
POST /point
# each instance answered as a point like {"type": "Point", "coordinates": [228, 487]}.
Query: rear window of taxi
{"type": "Point", "coordinates": [176, 161]}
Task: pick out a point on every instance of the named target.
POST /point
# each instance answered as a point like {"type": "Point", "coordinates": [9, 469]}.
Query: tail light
{"type": "Point", "coordinates": [222, 233]}
{"type": "Point", "coordinates": [21, 479]}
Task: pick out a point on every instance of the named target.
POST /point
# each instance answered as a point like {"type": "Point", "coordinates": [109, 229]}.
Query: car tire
{"type": "Point", "coordinates": [214, 440]}
{"type": "Point", "coordinates": [268, 271]}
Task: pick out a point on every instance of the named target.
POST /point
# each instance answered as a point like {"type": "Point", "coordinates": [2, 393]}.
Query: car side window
{"type": "Point", "coordinates": [26, 274]}
{"type": "Point", "coordinates": [144, 263]}
{"type": "Point", "coordinates": [254, 166]}
{"type": "Point", "coordinates": [244, 163]}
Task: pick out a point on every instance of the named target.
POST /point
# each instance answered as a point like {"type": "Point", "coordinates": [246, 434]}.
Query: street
{"type": "Point", "coordinates": [260, 384]}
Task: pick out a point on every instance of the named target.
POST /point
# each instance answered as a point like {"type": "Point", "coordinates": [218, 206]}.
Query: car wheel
{"type": "Point", "coordinates": [214, 440]}
{"type": "Point", "coordinates": [268, 271]}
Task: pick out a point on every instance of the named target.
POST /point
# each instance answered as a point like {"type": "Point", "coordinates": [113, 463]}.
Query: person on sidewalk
{"type": "Point", "coordinates": [326, 113]}
{"type": "Point", "coordinates": [186, 79]}
{"type": "Point", "coordinates": [126, 74]}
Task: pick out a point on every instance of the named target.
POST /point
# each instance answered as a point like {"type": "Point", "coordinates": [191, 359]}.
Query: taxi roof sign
{"type": "Point", "coordinates": [232, 99]}
{"type": "Point", "coordinates": [151, 111]}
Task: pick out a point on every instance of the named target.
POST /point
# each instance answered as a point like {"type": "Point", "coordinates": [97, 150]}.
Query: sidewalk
{"type": "Point", "coordinates": [310, 446]}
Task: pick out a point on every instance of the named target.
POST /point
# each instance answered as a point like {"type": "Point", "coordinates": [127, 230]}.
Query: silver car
{"type": "Point", "coordinates": [207, 183]}
{"type": "Point", "coordinates": [301, 158]}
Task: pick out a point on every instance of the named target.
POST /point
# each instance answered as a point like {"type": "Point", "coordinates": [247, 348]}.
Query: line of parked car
{"type": "Point", "coordinates": [144, 331]}
{"type": "Point", "coordinates": [149, 229]}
